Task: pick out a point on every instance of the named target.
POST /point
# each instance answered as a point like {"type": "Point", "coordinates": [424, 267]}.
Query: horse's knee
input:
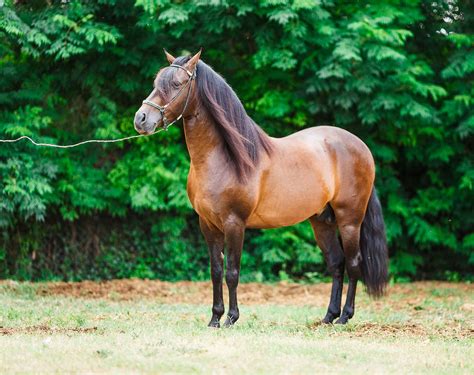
{"type": "Point", "coordinates": [217, 273]}
{"type": "Point", "coordinates": [232, 277]}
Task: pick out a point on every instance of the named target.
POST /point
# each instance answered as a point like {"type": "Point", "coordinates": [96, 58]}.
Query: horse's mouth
{"type": "Point", "coordinates": [146, 131]}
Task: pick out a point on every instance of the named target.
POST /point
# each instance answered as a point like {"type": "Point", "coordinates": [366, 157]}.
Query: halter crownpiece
{"type": "Point", "coordinates": [162, 109]}
{"type": "Point", "coordinates": [182, 67]}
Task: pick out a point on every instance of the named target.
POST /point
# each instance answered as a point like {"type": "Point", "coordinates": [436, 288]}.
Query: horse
{"type": "Point", "coordinates": [241, 178]}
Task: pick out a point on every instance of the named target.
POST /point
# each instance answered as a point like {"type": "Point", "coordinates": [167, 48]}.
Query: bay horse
{"type": "Point", "coordinates": [241, 178]}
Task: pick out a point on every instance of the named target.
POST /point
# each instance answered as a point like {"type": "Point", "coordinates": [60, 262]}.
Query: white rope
{"type": "Point", "coordinates": [76, 144]}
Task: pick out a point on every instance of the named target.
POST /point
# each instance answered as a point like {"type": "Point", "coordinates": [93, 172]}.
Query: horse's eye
{"type": "Point", "coordinates": [175, 84]}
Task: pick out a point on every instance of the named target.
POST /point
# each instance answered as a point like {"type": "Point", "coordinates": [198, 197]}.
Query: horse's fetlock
{"type": "Point", "coordinates": [335, 312]}
{"type": "Point", "coordinates": [233, 315]}
{"type": "Point", "coordinates": [348, 312]}
{"type": "Point", "coordinates": [218, 310]}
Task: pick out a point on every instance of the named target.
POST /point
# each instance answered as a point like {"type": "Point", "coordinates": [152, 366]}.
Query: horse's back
{"type": "Point", "coordinates": [346, 152]}
{"type": "Point", "coordinates": [332, 137]}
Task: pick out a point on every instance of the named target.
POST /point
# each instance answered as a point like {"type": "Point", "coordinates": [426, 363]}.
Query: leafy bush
{"type": "Point", "coordinates": [397, 74]}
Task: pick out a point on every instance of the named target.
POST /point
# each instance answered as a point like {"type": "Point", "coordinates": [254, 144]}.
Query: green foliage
{"type": "Point", "coordinates": [397, 74]}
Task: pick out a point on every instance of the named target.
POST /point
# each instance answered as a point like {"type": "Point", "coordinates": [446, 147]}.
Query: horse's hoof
{"type": "Point", "coordinates": [342, 320]}
{"type": "Point", "coordinates": [229, 322]}
{"type": "Point", "coordinates": [214, 324]}
{"type": "Point", "coordinates": [329, 318]}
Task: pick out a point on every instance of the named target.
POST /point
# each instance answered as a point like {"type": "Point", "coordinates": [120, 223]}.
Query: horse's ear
{"type": "Point", "coordinates": [191, 64]}
{"type": "Point", "coordinates": [169, 56]}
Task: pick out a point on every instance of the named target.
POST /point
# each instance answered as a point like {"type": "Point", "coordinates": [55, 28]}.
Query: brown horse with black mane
{"type": "Point", "coordinates": [242, 178]}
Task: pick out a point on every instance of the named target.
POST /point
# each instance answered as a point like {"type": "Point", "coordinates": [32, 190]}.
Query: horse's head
{"type": "Point", "coordinates": [171, 95]}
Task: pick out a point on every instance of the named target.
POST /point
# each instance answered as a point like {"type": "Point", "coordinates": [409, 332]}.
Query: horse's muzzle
{"type": "Point", "coordinates": [144, 123]}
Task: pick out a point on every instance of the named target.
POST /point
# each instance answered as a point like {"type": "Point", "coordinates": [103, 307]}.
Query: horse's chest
{"type": "Point", "coordinates": [196, 196]}
{"type": "Point", "coordinates": [217, 197]}
{"type": "Point", "coordinates": [203, 206]}
{"type": "Point", "coordinates": [204, 201]}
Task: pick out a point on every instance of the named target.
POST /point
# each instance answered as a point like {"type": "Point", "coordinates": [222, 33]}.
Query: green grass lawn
{"type": "Point", "coordinates": [60, 333]}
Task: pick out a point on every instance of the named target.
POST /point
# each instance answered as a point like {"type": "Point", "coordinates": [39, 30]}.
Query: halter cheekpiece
{"type": "Point", "coordinates": [162, 109]}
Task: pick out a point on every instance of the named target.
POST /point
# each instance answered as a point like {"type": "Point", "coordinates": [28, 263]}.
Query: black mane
{"type": "Point", "coordinates": [243, 139]}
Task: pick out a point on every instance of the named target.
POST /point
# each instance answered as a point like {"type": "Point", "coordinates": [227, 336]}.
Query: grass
{"type": "Point", "coordinates": [59, 333]}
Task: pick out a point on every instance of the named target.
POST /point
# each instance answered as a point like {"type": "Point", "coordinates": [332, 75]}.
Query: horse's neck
{"type": "Point", "coordinates": [202, 138]}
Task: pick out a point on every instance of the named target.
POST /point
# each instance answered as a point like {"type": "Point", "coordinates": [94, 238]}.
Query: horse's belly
{"type": "Point", "coordinates": [283, 217]}
{"type": "Point", "coordinates": [289, 201]}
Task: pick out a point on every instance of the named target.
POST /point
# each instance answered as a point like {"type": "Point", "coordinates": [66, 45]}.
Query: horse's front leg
{"type": "Point", "coordinates": [215, 243]}
{"type": "Point", "coordinates": [234, 231]}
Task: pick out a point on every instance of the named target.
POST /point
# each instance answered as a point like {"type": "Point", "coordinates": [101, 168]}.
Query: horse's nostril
{"type": "Point", "coordinates": [140, 120]}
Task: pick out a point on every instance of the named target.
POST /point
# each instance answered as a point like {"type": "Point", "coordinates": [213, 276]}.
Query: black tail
{"type": "Point", "coordinates": [373, 245]}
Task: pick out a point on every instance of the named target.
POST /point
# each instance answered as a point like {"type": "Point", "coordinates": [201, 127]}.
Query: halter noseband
{"type": "Point", "coordinates": [162, 109]}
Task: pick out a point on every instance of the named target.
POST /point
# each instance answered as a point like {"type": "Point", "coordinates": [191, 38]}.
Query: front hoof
{"type": "Point", "coordinates": [329, 318]}
{"type": "Point", "coordinates": [214, 324]}
{"type": "Point", "coordinates": [230, 321]}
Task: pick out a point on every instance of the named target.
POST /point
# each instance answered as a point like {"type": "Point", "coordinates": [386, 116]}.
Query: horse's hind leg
{"type": "Point", "coordinates": [325, 231]}
{"type": "Point", "coordinates": [349, 222]}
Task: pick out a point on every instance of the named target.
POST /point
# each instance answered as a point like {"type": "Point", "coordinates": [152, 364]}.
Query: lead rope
{"type": "Point", "coordinates": [162, 109]}
{"type": "Point", "coordinates": [79, 143]}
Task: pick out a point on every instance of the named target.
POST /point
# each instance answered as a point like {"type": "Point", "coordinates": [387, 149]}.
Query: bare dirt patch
{"type": "Point", "coordinates": [188, 292]}
{"type": "Point", "coordinates": [401, 296]}
{"type": "Point", "coordinates": [450, 330]}
{"type": "Point", "coordinates": [41, 329]}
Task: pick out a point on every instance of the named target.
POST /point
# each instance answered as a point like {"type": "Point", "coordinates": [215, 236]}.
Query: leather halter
{"type": "Point", "coordinates": [162, 109]}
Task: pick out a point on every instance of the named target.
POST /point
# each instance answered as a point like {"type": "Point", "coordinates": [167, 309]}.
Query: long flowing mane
{"type": "Point", "coordinates": [244, 141]}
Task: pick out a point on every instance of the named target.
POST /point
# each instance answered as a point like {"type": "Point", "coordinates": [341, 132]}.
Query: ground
{"type": "Point", "coordinates": [150, 326]}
